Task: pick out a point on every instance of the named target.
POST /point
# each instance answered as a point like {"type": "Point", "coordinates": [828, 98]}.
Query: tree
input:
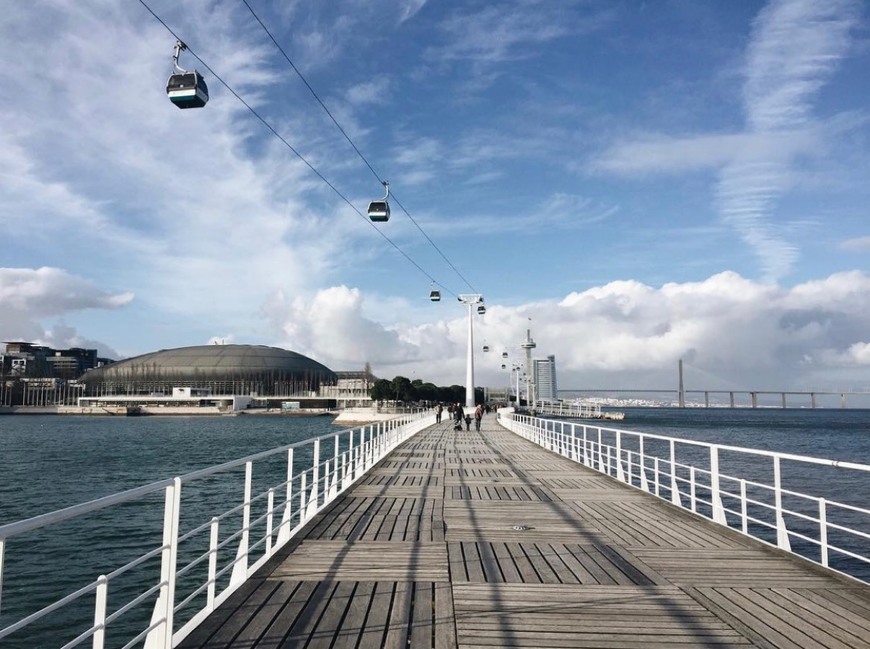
{"type": "Point", "coordinates": [403, 389]}
{"type": "Point", "coordinates": [382, 390]}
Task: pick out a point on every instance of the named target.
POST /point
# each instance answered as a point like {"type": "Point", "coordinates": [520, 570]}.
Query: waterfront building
{"type": "Point", "coordinates": [352, 389]}
{"type": "Point", "coordinates": [253, 370]}
{"type": "Point", "coordinates": [544, 378]}
{"type": "Point", "coordinates": [22, 359]}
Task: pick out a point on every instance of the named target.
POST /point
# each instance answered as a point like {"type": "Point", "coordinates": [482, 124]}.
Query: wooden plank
{"type": "Point", "coordinates": [400, 614]}
{"type": "Point", "coordinates": [375, 625]}
{"type": "Point", "coordinates": [422, 624]}
{"type": "Point", "coordinates": [226, 622]}
{"type": "Point", "coordinates": [508, 570]}
{"type": "Point", "coordinates": [524, 567]}
{"type": "Point", "coordinates": [355, 617]}
{"type": "Point", "coordinates": [445, 618]}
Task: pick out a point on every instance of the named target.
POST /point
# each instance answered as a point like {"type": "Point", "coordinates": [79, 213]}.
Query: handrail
{"type": "Point", "coordinates": [240, 536]}
{"type": "Point", "coordinates": [788, 514]}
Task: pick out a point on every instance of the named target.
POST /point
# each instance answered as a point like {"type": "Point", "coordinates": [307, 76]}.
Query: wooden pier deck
{"type": "Point", "coordinates": [424, 552]}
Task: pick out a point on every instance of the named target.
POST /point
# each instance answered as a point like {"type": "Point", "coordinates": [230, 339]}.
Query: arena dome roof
{"type": "Point", "coordinates": [213, 362]}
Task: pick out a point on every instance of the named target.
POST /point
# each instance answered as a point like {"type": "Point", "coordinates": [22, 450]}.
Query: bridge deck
{"type": "Point", "coordinates": [423, 553]}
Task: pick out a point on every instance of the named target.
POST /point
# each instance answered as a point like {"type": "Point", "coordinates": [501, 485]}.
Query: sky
{"type": "Point", "coordinates": [634, 182]}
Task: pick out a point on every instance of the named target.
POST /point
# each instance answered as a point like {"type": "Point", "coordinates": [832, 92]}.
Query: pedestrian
{"type": "Point", "coordinates": [478, 415]}
{"type": "Point", "coordinates": [438, 410]}
{"type": "Point", "coordinates": [467, 422]}
{"type": "Point", "coordinates": [458, 415]}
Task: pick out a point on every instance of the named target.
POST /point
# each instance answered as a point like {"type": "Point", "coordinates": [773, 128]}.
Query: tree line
{"type": "Point", "coordinates": [405, 390]}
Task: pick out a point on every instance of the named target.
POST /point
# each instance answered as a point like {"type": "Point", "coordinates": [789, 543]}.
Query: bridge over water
{"type": "Point", "coordinates": [733, 398]}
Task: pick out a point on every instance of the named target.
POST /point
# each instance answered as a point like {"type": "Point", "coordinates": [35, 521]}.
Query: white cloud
{"type": "Point", "coordinates": [51, 292]}
{"type": "Point", "coordinates": [506, 30]}
{"type": "Point", "coordinates": [662, 154]}
{"type": "Point", "coordinates": [371, 92]}
{"type": "Point", "coordinates": [858, 244]}
{"type": "Point", "coordinates": [409, 8]}
{"type": "Point", "coordinates": [795, 46]}
{"type": "Point", "coordinates": [732, 332]}
{"type": "Point", "coordinates": [29, 297]}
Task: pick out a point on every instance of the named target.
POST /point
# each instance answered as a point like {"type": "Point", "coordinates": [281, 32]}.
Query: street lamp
{"type": "Point", "coordinates": [469, 300]}
{"type": "Point", "coordinates": [517, 367]}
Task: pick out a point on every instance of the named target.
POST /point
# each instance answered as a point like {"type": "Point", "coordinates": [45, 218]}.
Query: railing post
{"type": "Point", "coordinates": [270, 508]}
{"type": "Point", "coordinates": [620, 474]}
{"type": "Point", "coordinates": [600, 454]}
{"type": "Point", "coordinates": [212, 562]}
{"type": "Point", "coordinates": [718, 512]}
{"type": "Point", "coordinates": [347, 463]}
{"type": "Point", "coordinates": [164, 609]}
{"type": "Point", "coordinates": [334, 486]}
{"type": "Point", "coordinates": [675, 489]}
{"type": "Point", "coordinates": [100, 612]}
{"type": "Point", "coordinates": [2, 559]}
{"type": "Point", "coordinates": [823, 531]}
{"type": "Point", "coordinates": [586, 458]}
{"type": "Point", "coordinates": [744, 514]}
{"type": "Point", "coordinates": [303, 494]}
{"type": "Point", "coordinates": [315, 480]}
{"type": "Point", "coordinates": [656, 475]}
{"type": "Point", "coordinates": [781, 533]}
{"type": "Point", "coordinates": [692, 499]}
{"type": "Point", "coordinates": [284, 531]}
{"type": "Point", "coordinates": [642, 463]}
{"type": "Point", "coordinates": [240, 567]}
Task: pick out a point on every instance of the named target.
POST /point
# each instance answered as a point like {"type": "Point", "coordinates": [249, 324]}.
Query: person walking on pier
{"type": "Point", "coordinates": [478, 415]}
{"type": "Point", "coordinates": [438, 411]}
{"type": "Point", "coordinates": [458, 415]}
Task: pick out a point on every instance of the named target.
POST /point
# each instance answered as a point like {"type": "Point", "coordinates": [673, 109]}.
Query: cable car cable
{"type": "Point", "coordinates": [351, 142]}
{"type": "Point", "coordinates": [295, 152]}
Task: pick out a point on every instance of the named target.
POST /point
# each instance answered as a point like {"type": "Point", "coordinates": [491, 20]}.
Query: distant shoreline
{"type": "Point", "coordinates": [350, 417]}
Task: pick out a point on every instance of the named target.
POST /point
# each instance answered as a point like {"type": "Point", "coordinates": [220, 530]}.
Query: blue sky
{"type": "Point", "coordinates": [646, 181]}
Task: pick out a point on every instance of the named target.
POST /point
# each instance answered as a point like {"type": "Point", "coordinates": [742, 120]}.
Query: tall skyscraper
{"type": "Point", "coordinates": [544, 376]}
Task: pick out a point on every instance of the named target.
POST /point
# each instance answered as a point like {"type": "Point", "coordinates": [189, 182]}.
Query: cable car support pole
{"type": "Point", "coordinates": [470, 300]}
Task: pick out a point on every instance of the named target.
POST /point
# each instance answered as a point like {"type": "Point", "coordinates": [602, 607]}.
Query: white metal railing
{"type": "Point", "coordinates": [750, 494]}
{"type": "Point", "coordinates": [207, 550]}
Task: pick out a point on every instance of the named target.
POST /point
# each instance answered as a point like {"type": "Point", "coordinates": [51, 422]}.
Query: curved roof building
{"type": "Point", "coordinates": [225, 369]}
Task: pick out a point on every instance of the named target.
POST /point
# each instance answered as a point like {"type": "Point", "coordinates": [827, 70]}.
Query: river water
{"type": "Point", "coordinates": [50, 462]}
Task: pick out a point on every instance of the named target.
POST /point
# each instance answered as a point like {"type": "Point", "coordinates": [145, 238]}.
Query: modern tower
{"type": "Point", "coordinates": [528, 344]}
{"type": "Point", "coordinates": [544, 378]}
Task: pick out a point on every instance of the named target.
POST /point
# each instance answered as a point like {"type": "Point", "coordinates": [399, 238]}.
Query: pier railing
{"type": "Point", "coordinates": [192, 541]}
{"type": "Point", "coordinates": [813, 507]}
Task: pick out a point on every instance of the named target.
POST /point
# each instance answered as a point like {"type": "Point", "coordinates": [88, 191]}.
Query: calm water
{"type": "Point", "coordinates": [50, 462]}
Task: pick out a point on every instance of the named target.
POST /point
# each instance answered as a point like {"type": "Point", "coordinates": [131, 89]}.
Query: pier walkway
{"type": "Point", "coordinates": [466, 539]}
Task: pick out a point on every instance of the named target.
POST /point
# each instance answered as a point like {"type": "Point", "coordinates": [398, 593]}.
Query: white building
{"type": "Point", "coordinates": [544, 378]}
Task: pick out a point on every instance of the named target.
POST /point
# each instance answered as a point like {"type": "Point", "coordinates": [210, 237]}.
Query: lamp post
{"type": "Point", "coordinates": [516, 368]}
{"type": "Point", "coordinates": [470, 300]}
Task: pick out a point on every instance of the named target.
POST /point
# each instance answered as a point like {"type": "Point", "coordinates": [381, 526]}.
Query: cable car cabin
{"type": "Point", "coordinates": [504, 354]}
{"type": "Point", "coordinates": [187, 90]}
{"type": "Point", "coordinates": [486, 348]}
{"type": "Point", "coordinates": [435, 296]}
{"type": "Point", "coordinates": [481, 310]}
{"type": "Point", "coordinates": [379, 211]}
